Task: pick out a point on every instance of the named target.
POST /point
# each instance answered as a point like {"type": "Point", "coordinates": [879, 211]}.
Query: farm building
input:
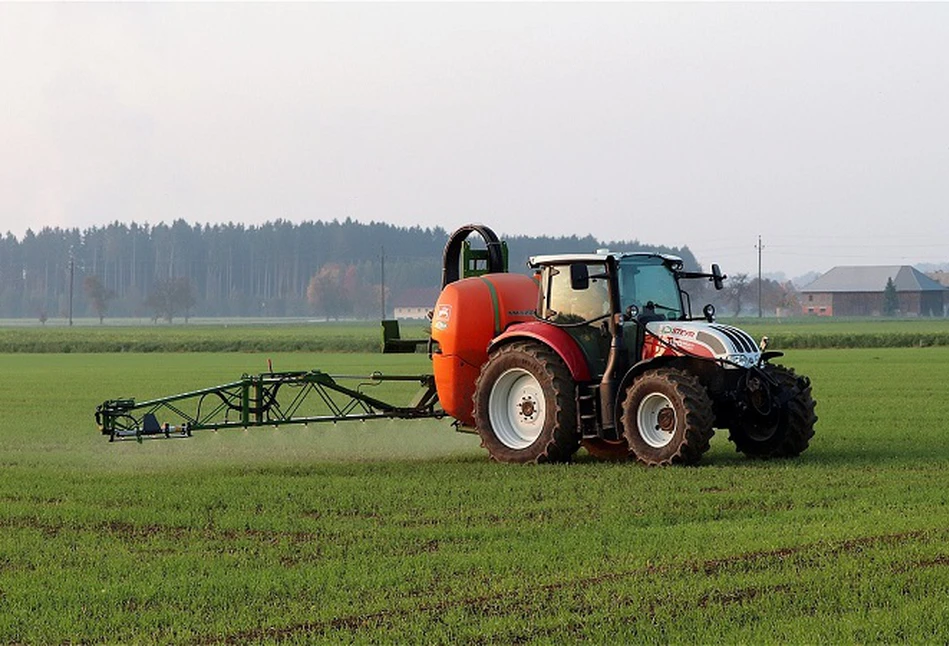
{"type": "Point", "coordinates": [858, 291]}
{"type": "Point", "coordinates": [414, 303]}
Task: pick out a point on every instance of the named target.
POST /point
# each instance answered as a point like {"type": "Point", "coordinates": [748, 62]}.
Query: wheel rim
{"type": "Point", "coordinates": [656, 419]}
{"type": "Point", "coordinates": [516, 408]}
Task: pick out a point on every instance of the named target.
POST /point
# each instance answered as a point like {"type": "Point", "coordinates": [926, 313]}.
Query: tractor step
{"type": "Point", "coordinates": [587, 411]}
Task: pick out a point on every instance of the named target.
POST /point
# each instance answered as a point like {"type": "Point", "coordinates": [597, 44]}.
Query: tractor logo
{"type": "Point", "coordinates": [678, 331]}
{"type": "Point", "coordinates": [442, 317]}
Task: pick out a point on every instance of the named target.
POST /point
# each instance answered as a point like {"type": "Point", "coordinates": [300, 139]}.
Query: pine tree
{"type": "Point", "coordinates": [891, 302]}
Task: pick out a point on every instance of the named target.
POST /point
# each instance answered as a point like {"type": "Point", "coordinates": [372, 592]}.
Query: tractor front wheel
{"type": "Point", "coordinates": [788, 428]}
{"type": "Point", "coordinates": [667, 418]}
{"type": "Point", "coordinates": [525, 405]}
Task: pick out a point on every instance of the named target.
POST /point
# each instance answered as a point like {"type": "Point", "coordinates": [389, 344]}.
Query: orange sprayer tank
{"type": "Point", "coordinates": [468, 314]}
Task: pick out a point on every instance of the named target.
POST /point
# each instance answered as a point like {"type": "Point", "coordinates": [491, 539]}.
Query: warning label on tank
{"type": "Point", "coordinates": [442, 317]}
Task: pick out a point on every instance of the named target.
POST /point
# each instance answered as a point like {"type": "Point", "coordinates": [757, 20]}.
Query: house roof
{"type": "Point", "coordinates": [873, 279]}
{"type": "Point", "coordinates": [416, 297]}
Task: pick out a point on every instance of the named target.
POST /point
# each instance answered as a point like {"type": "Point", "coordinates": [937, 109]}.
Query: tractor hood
{"type": "Point", "coordinates": [698, 338]}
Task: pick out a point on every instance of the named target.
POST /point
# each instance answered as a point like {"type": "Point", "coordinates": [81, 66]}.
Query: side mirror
{"type": "Point", "coordinates": [718, 277]}
{"type": "Point", "coordinates": [579, 276]}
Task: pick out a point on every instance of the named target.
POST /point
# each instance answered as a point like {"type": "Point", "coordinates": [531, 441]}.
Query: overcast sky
{"type": "Point", "coordinates": [824, 128]}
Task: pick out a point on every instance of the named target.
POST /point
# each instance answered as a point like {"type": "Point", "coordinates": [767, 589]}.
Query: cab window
{"type": "Point", "coordinates": [645, 280]}
{"type": "Point", "coordinates": [566, 305]}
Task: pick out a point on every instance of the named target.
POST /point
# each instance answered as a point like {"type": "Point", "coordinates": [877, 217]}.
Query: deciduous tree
{"type": "Point", "coordinates": [332, 290]}
{"type": "Point", "coordinates": [171, 297]}
{"type": "Point", "coordinates": [99, 294]}
{"type": "Point", "coordinates": [737, 288]}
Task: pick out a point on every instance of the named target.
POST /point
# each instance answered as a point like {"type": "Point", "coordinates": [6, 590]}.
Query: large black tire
{"type": "Point", "coordinates": [525, 405]}
{"type": "Point", "coordinates": [667, 417]}
{"type": "Point", "coordinates": [787, 432]}
{"type": "Point", "coordinates": [615, 450]}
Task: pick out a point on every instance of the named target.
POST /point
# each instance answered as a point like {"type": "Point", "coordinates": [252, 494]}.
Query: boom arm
{"type": "Point", "coordinates": [268, 399]}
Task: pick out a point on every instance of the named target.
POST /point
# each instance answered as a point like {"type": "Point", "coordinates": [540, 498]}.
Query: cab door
{"type": "Point", "coordinates": [580, 308]}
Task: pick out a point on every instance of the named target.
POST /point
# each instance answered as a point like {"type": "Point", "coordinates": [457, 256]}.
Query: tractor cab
{"type": "Point", "coordinates": [595, 297]}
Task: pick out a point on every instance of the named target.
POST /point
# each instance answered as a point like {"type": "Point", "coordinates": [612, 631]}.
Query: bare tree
{"type": "Point", "coordinates": [171, 297]}
{"type": "Point", "coordinates": [738, 287]}
{"type": "Point", "coordinates": [332, 290]}
{"type": "Point", "coordinates": [775, 295]}
{"type": "Point", "coordinates": [98, 294]}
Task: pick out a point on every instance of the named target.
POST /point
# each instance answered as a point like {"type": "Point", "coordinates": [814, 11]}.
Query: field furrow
{"type": "Point", "coordinates": [397, 532]}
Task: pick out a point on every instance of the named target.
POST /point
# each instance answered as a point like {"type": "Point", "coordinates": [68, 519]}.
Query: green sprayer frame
{"type": "Point", "coordinates": [268, 399]}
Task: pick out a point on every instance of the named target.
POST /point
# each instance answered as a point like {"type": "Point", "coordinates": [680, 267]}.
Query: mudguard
{"type": "Point", "coordinates": [554, 337]}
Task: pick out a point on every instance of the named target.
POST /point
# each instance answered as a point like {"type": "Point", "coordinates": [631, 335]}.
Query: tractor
{"type": "Point", "coordinates": [598, 350]}
{"type": "Point", "coordinates": [601, 350]}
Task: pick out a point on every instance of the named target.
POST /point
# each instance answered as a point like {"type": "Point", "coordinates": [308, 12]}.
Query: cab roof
{"type": "Point", "coordinates": [598, 256]}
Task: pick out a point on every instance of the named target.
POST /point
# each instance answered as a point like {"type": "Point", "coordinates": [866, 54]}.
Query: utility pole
{"type": "Point", "coordinates": [382, 290]}
{"type": "Point", "coordinates": [759, 275]}
{"type": "Point", "coordinates": [72, 271]}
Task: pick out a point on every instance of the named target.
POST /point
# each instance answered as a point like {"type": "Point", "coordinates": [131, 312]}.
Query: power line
{"type": "Point", "coordinates": [864, 246]}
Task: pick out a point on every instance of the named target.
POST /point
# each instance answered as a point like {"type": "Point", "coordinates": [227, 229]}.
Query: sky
{"type": "Point", "coordinates": [822, 128]}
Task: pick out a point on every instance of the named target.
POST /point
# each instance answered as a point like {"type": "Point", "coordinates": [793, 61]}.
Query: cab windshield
{"type": "Point", "coordinates": [645, 281]}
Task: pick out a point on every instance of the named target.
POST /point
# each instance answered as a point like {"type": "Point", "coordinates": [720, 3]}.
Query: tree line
{"type": "Point", "coordinates": [331, 269]}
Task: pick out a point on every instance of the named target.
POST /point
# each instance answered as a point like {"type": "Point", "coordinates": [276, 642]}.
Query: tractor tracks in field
{"type": "Point", "coordinates": [513, 601]}
{"type": "Point", "coordinates": [133, 531]}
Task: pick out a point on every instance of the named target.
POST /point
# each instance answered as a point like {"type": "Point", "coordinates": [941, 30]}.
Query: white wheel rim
{"type": "Point", "coordinates": [657, 420]}
{"type": "Point", "coordinates": [516, 408]}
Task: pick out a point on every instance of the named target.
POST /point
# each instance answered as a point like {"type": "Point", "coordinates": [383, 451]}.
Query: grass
{"type": "Point", "coordinates": [359, 336]}
{"type": "Point", "coordinates": [815, 332]}
{"type": "Point", "coordinates": [404, 532]}
{"type": "Point", "coordinates": [245, 335]}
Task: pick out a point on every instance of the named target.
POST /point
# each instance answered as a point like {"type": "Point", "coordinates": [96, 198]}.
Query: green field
{"type": "Point", "coordinates": [242, 336]}
{"type": "Point", "coordinates": [246, 335]}
{"type": "Point", "coordinates": [405, 532]}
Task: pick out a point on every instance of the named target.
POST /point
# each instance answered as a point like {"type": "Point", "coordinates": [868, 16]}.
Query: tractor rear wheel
{"type": "Point", "coordinates": [525, 405]}
{"type": "Point", "coordinates": [616, 450]}
{"type": "Point", "coordinates": [785, 432]}
{"type": "Point", "coordinates": [667, 417]}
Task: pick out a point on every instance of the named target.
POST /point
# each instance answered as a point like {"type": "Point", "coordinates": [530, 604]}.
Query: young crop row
{"type": "Point", "coordinates": [354, 337]}
{"type": "Point", "coordinates": [816, 340]}
{"type": "Point", "coordinates": [404, 532]}
{"type": "Point", "coordinates": [366, 337]}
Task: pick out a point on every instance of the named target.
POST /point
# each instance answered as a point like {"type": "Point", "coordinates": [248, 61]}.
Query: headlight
{"type": "Point", "coordinates": [742, 360]}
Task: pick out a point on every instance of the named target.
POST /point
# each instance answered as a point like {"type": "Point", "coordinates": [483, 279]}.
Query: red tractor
{"type": "Point", "coordinates": [601, 350]}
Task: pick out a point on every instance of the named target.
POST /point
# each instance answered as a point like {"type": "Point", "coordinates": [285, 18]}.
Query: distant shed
{"type": "Point", "coordinates": [858, 291]}
{"type": "Point", "coordinates": [414, 303]}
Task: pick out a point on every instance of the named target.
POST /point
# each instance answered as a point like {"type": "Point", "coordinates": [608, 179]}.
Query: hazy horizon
{"type": "Point", "coordinates": [819, 127]}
